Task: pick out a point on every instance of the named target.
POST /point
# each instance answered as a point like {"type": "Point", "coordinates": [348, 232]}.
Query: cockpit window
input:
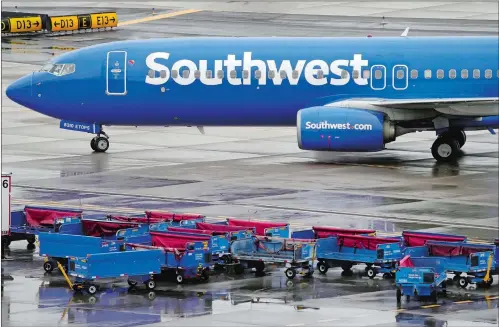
{"type": "Point", "coordinates": [58, 69]}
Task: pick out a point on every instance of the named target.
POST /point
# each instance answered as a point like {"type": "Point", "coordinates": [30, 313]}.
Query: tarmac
{"type": "Point", "coordinates": [257, 173]}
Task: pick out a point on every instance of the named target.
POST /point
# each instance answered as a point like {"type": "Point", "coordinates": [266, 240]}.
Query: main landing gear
{"type": "Point", "coordinates": [446, 147]}
{"type": "Point", "coordinates": [100, 143]}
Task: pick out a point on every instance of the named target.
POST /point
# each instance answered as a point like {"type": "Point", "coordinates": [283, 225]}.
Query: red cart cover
{"type": "Point", "coordinates": [363, 242]}
{"type": "Point", "coordinates": [220, 228]}
{"type": "Point", "coordinates": [452, 250]}
{"type": "Point", "coordinates": [101, 228]}
{"type": "Point", "coordinates": [176, 241]}
{"type": "Point", "coordinates": [139, 220]}
{"type": "Point", "coordinates": [406, 262]}
{"type": "Point", "coordinates": [419, 239]}
{"type": "Point", "coordinates": [43, 217]}
{"type": "Point", "coordinates": [195, 231]}
{"type": "Point", "coordinates": [173, 216]}
{"type": "Point", "coordinates": [323, 232]}
{"type": "Point", "coordinates": [260, 226]}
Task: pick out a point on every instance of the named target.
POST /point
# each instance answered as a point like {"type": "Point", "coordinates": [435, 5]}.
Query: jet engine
{"type": "Point", "coordinates": [342, 129]}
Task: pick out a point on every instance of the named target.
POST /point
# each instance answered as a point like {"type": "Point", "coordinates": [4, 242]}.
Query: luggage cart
{"type": "Point", "coordinates": [176, 219]}
{"type": "Point", "coordinates": [346, 251]}
{"type": "Point", "coordinates": [257, 251]}
{"type": "Point", "coordinates": [474, 260]}
{"type": "Point", "coordinates": [262, 228]}
{"type": "Point", "coordinates": [318, 232]}
{"type": "Point", "coordinates": [421, 276]}
{"type": "Point", "coordinates": [27, 223]}
{"type": "Point", "coordinates": [76, 240]}
{"type": "Point", "coordinates": [187, 258]}
{"type": "Point", "coordinates": [138, 266]}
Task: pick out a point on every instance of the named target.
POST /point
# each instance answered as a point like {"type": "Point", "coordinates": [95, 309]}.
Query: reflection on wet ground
{"type": "Point", "coordinates": [32, 296]}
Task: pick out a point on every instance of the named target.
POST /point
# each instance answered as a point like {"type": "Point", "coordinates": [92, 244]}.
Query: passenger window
{"type": "Point", "coordinates": [427, 74]}
{"type": "Point", "coordinates": [452, 73]}
{"type": "Point", "coordinates": [282, 74]}
{"type": "Point", "coordinates": [488, 73]}
{"type": "Point", "coordinates": [377, 74]}
{"type": "Point", "coordinates": [498, 73]}
{"type": "Point", "coordinates": [271, 74]}
{"type": "Point", "coordinates": [174, 73]}
{"type": "Point", "coordinates": [220, 74]}
{"type": "Point", "coordinates": [414, 74]}
{"type": "Point", "coordinates": [258, 74]}
{"type": "Point", "coordinates": [464, 74]}
{"type": "Point", "coordinates": [295, 74]}
{"type": "Point", "coordinates": [366, 74]}
{"type": "Point", "coordinates": [320, 74]}
{"type": "Point", "coordinates": [356, 74]}
{"type": "Point", "coordinates": [197, 74]}
{"type": "Point", "coordinates": [233, 74]}
{"type": "Point", "coordinates": [245, 74]}
{"type": "Point", "coordinates": [476, 73]}
{"type": "Point", "coordinates": [150, 73]}
{"type": "Point", "coordinates": [208, 74]}
{"type": "Point", "coordinates": [186, 73]}
{"type": "Point", "coordinates": [344, 74]}
{"type": "Point", "coordinates": [440, 73]}
{"type": "Point", "coordinates": [162, 74]}
{"type": "Point", "coordinates": [400, 74]}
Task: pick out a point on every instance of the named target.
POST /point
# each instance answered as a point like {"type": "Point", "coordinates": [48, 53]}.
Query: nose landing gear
{"type": "Point", "coordinates": [446, 147]}
{"type": "Point", "coordinates": [100, 143]}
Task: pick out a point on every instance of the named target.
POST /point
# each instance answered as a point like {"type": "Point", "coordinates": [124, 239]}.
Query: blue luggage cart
{"type": "Point", "coordinates": [474, 260]}
{"type": "Point", "coordinates": [421, 276]}
{"type": "Point", "coordinates": [138, 266]}
{"type": "Point", "coordinates": [192, 261]}
{"type": "Point", "coordinates": [345, 251]}
{"type": "Point", "coordinates": [262, 228]}
{"type": "Point", "coordinates": [71, 242]}
{"type": "Point", "coordinates": [256, 251]}
{"type": "Point", "coordinates": [317, 232]}
{"type": "Point", "coordinates": [28, 222]}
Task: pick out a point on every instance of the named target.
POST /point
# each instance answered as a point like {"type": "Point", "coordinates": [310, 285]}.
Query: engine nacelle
{"type": "Point", "coordinates": [343, 129]}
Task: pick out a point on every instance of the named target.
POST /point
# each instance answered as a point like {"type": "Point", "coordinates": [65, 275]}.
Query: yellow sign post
{"type": "Point", "coordinates": [64, 23]}
{"type": "Point", "coordinates": [102, 20]}
{"type": "Point", "coordinates": [24, 24]}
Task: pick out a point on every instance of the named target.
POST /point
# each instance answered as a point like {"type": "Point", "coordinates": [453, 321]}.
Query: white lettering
{"type": "Point", "coordinates": [326, 125]}
{"type": "Point", "coordinates": [316, 71]}
{"type": "Point", "coordinates": [152, 64]}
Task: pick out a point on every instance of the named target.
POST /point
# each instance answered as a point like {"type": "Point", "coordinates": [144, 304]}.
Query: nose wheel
{"type": "Point", "coordinates": [99, 144]}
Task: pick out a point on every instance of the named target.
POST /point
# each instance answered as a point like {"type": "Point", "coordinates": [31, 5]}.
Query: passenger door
{"type": "Point", "coordinates": [116, 73]}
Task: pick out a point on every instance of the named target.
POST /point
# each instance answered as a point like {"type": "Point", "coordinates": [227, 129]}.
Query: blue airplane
{"type": "Point", "coordinates": [342, 94]}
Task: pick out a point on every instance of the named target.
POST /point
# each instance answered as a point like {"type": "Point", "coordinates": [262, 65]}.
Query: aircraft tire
{"type": "Point", "coordinates": [101, 144]}
{"type": "Point", "coordinates": [445, 149]}
{"type": "Point", "coordinates": [92, 143]}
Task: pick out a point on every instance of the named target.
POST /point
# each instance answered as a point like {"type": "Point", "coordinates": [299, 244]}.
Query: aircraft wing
{"type": "Point", "coordinates": [449, 106]}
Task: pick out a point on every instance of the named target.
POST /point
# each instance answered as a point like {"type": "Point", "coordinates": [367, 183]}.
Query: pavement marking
{"type": "Point", "coordinates": [328, 320]}
{"type": "Point", "coordinates": [430, 306]}
{"type": "Point", "coordinates": [465, 301]}
{"type": "Point", "coordinates": [157, 17]}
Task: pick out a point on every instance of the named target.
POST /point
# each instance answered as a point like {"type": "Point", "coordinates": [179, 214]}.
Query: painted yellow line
{"type": "Point", "coordinates": [430, 306]}
{"type": "Point", "coordinates": [400, 310]}
{"type": "Point", "coordinates": [492, 297]}
{"type": "Point", "coordinates": [156, 17]}
{"type": "Point", "coordinates": [465, 301]}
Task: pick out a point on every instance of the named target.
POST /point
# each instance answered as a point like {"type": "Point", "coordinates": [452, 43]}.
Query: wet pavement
{"type": "Point", "coordinates": [255, 173]}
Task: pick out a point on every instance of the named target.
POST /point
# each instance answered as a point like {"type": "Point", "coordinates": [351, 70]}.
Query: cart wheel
{"type": "Point", "coordinates": [5, 241]}
{"type": "Point", "coordinates": [433, 296]}
{"type": "Point", "coordinates": [322, 267]}
{"type": "Point", "coordinates": [386, 276]}
{"type": "Point", "coordinates": [204, 276]}
{"type": "Point", "coordinates": [489, 282]}
{"type": "Point", "coordinates": [132, 282]}
{"type": "Point", "coordinates": [151, 295]}
{"type": "Point", "coordinates": [226, 259]}
{"type": "Point", "coordinates": [31, 240]}
{"type": "Point", "coordinates": [48, 266]}
{"type": "Point", "coordinates": [92, 289]}
{"type": "Point", "coordinates": [290, 273]}
{"type": "Point", "coordinates": [463, 282]}
{"type": "Point", "coordinates": [399, 295]}
{"type": "Point", "coordinates": [371, 273]}
{"type": "Point", "coordinates": [180, 279]}
{"type": "Point", "coordinates": [92, 300]}
{"type": "Point", "coordinates": [238, 269]}
{"type": "Point", "coordinates": [346, 266]}
{"type": "Point", "coordinates": [150, 284]}
{"type": "Point", "coordinates": [260, 267]}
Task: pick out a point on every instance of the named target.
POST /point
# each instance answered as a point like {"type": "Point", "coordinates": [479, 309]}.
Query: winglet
{"type": "Point", "coordinates": [406, 31]}
{"type": "Point", "coordinates": [201, 129]}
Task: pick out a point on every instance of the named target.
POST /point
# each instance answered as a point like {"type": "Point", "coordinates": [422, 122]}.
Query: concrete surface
{"type": "Point", "coordinates": [248, 173]}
